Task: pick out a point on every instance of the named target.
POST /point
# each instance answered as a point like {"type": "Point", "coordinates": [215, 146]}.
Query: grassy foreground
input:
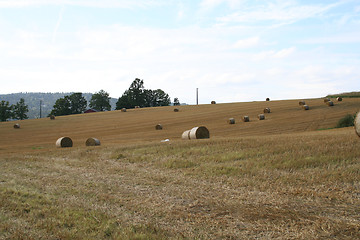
{"type": "Point", "coordinates": [287, 186]}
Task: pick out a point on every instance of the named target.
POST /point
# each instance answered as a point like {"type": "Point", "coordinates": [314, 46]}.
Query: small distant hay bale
{"type": "Point", "coordinates": [213, 102]}
{"type": "Point", "coordinates": [305, 107]}
{"type": "Point", "coordinates": [186, 135]}
{"type": "Point", "coordinates": [261, 117]}
{"type": "Point", "coordinates": [199, 133]}
{"type": "Point", "coordinates": [267, 99]}
{"type": "Point", "coordinates": [64, 142]}
{"type": "Point", "coordinates": [326, 100]}
{"type": "Point", "coordinates": [158, 127]}
{"type": "Point", "coordinates": [17, 126]}
{"type": "Point", "coordinates": [330, 103]}
{"type": "Point", "coordinates": [301, 103]}
{"type": "Point", "coordinates": [123, 109]}
{"type": "Point", "coordinates": [176, 109]}
{"type": "Point", "coordinates": [52, 117]}
{"type": "Point", "coordinates": [357, 124]}
{"type": "Point", "coordinates": [231, 121]}
{"type": "Point", "coordinates": [137, 106]}
{"type": "Point", "coordinates": [267, 110]}
{"type": "Point", "coordinates": [339, 99]}
{"type": "Point", "coordinates": [92, 142]}
{"type": "Point", "coordinates": [246, 119]}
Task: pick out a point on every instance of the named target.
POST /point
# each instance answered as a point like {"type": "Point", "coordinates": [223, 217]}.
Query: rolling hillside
{"type": "Point", "coordinates": [138, 125]}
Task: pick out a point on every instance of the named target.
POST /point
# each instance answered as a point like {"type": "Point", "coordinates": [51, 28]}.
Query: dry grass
{"type": "Point", "coordinates": [280, 179]}
{"type": "Point", "coordinates": [239, 188]}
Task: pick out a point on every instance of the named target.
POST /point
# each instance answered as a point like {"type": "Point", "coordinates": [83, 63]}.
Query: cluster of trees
{"type": "Point", "coordinates": [137, 95]}
{"type": "Point", "coordinates": [76, 103]}
{"type": "Point", "coordinates": [14, 111]}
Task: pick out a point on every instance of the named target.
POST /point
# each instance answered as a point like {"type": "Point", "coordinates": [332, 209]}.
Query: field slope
{"type": "Point", "coordinates": [137, 125]}
{"type": "Point", "coordinates": [279, 178]}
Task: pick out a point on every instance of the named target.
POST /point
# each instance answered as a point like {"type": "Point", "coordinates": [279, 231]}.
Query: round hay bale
{"type": "Point", "coordinates": [267, 99]}
{"type": "Point", "coordinates": [301, 103]}
{"type": "Point", "coordinates": [330, 103]}
{"type": "Point", "coordinates": [213, 102]}
{"type": "Point", "coordinates": [199, 133]}
{"type": "Point", "coordinates": [305, 107]}
{"type": "Point", "coordinates": [246, 119]}
{"type": "Point", "coordinates": [261, 117]}
{"type": "Point", "coordinates": [92, 142]}
{"type": "Point", "coordinates": [326, 100]}
{"type": "Point", "coordinates": [52, 117]}
{"type": "Point", "coordinates": [357, 124]}
{"type": "Point", "coordinates": [64, 142]}
{"type": "Point", "coordinates": [339, 99]}
{"type": "Point", "coordinates": [123, 109]}
{"type": "Point", "coordinates": [186, 135]}
{"type": "Point", "coordinates": [267, 110]}
{"type": "Point", "coordinates": [231, 121]}
{"type": "Point", "coordinates": [17, 126]}
{"type": "Point", "coordinates": [176, 110]}
{"type": "Point", "coordinates": [158, 127]}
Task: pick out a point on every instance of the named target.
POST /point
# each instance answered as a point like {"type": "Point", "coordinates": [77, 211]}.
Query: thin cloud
{"type": "Point", "coordinates": [278, 13]}
{"type": "Point", "coordinates": [61, 13]}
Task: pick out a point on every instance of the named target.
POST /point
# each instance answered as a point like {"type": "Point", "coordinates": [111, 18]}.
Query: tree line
{"type": "Point", "coordinates": [14, 111]}
{"type": "Point", "coordinates": [75, 103]}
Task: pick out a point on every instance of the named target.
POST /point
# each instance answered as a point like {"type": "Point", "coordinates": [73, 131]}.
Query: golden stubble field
{"type": "Point", "coordinates": [280, 178]}
{"type": "Point", "coordinates": [137, 125]}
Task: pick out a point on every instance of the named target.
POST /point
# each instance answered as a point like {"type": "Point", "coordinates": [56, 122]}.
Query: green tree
{"type": "Point", "coordinates": [100, 101]}
{"type": "Point", "coordinates": [20, 110]}
{"type": "Point", "coordinates": [161, 98]}
{"type": "Point", "coordinates": [176, 102]}
{"type": "Point", "coordinates": [5, 111]}
{"type": "Point", "coordinates": [78, 103]}
{"type": "Point", "coordinates": [137, 95]}
{"type": "Point", "coordinates": [62, 107]}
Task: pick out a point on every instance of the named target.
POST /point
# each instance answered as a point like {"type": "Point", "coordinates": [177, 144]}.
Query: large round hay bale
{"type": "Point", "coordinates": [267, 110]}
{"type": "Point", "coordinates": [213, 102]}
{"type": "Point", "coordinates": [267, 99]}
{"type": "Point", "coordinates": [176, 109]}
{"type": "Point", "coordinates": [16, 126]}
{"type": "Point", "coordinates": [52, 117]}
{"type": "Point", "coordinates": [357, 124]}
{"type": "Point", "coordinates": [123, 109]}
{"type": "Point", "coordinates": [246, 119]}
{"type": "Point", "coordinates": [92, 142]}
{"type": "Point", "coordinates": [231, 121]}
{"type": "Point", "coordinates": [186, 135]}
{"type": "Point", "coordinates": [261, 116]}
{"type": "Point", "coordinates": [339, 99]}
{"type": "Point", "coordinates": [305, 107]}
{"type": "Point", "coordinates": [64, 142]}
{"type": "Point", "coordinates": [158, 127]}
{"type": "Point", "coordinates": [199, 133]}
{"type": "Point", "coordinates": [301, 103]}
{"type": "Point", "coordinates": [326, 100]}
{"type": "Point", "coordinates": [330, 103]}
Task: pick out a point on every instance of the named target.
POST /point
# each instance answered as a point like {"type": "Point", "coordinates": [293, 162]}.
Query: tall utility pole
{"type": "Point", "coordinates": [197, 96]}
{"type": "Point", "coordinates": [40, 107]}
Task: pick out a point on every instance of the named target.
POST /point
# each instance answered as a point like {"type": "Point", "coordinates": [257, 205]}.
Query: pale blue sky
{"type": "Point", "coordinates": [232, 50]}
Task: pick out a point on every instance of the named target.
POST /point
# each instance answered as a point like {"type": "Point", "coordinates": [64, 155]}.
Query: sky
{"type": "Point", "coordinates": [231, 50]}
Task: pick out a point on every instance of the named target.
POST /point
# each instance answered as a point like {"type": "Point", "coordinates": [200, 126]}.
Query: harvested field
{"type": "Point", "coordinates": [248, 181]}
{"type": "Point", "coordinates": [137, 124]}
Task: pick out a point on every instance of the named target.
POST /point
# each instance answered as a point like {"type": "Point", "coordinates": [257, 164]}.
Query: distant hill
{"type": "Point", "coordinates": [345, 95]}
{"type": "Point", "coordinates": [32, 99]}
